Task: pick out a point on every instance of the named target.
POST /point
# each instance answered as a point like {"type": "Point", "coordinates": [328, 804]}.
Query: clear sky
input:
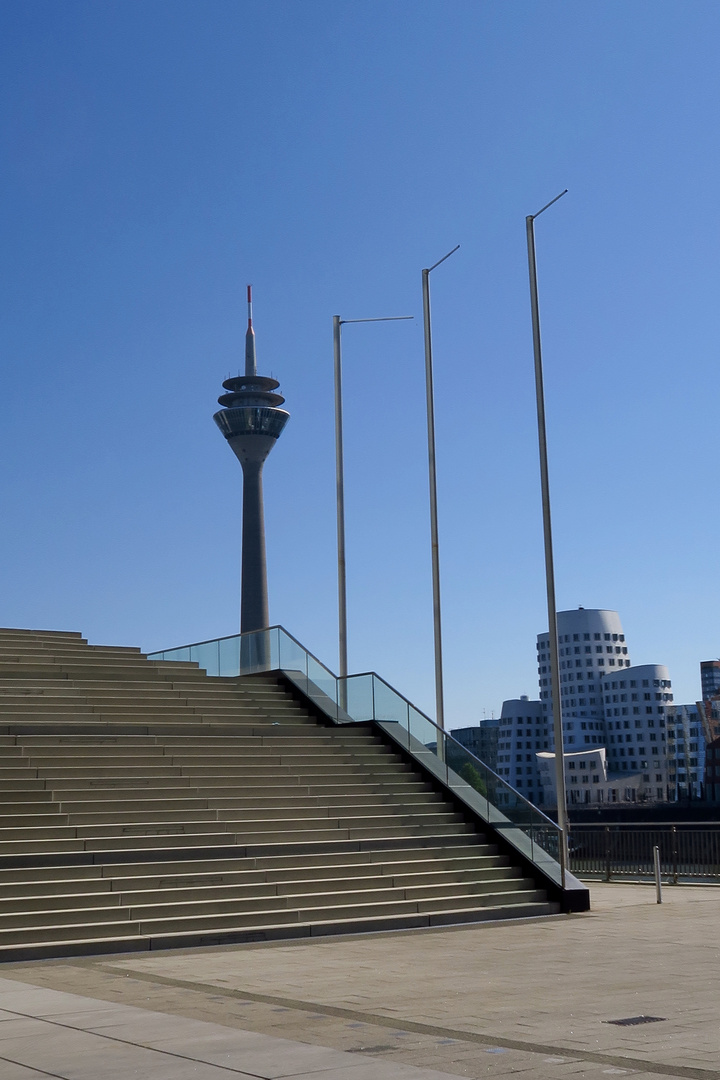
{"type": "Point", "coordinates": [159, 155]}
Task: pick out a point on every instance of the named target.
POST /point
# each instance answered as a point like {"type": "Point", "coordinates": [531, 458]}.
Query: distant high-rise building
{"type": "Point", "coordinates": [481, 740]}
{"type": "Point", "coordinates": [710, 678]}
{"type": "Point", "coordinates": [524, 730]}
{"type": "Point", "coordinates": [252, 422]}
{"type": "Point", "coordinates": [686, 751]}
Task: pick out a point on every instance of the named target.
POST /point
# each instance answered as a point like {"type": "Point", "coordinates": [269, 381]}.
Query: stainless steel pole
{"type": "Point", "coordinates": [549, 563]}
{"type": "Point", "coordinates": [340, 495]}
{"type": "Point", "coordinates": [656, 868]}
{"type": "Point", "coordinates": [340, 498]}
{"type": "Point", "coordinates": [432, 475]}
{"type": "Point", "coordinates": [434, 542]}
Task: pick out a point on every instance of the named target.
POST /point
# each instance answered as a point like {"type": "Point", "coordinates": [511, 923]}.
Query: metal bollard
{"type": "Point", "coordinates": [658, 884]}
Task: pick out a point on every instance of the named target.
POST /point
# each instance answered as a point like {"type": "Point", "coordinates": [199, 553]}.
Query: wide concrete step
{"type": "Point", "coordinates": [163, 839]}
{"type": "Point", "coordinates": [151, 755]}
{"type": "Point", "coordinates": [326, 912]}
{"type": "Point", "coordinates": [83, 933]}
{"type": "Point", "coordinates": [74, 946]}
{"type": "Point", "coordinates": [183, 800]}
{"type": "Point", "coordinates": [198, 810]}
{"type": "Point", "coordinates": [201, 741]}
{"type": "Point", "coordinates": [256, 901]}
{"type": "Point", "coordinates": [75, 892]}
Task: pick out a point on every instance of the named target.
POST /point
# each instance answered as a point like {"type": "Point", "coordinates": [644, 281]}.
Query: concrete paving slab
{"type": "Point", "coordinates": [72, 1038]}
{"type": "Point", "coordinates": [11, 1071]}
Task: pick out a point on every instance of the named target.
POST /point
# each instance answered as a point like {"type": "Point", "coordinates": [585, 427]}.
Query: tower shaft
{"type": "Point", "coordinates": [253, 585]}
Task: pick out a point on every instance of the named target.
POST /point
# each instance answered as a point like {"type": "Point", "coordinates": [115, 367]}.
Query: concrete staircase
{"type": "Point", "coordinates": [144, 805]}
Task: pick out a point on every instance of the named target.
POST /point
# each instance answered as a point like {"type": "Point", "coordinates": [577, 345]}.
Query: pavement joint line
{"type": "Point", "coordinates": [688, 1072]}
{"type": "Point", "coordinates": [40, 1072]}
{"type": "Point", "coordinates": [124, 1042]}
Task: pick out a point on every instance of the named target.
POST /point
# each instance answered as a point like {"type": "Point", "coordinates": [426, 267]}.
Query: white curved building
{"type": "Point", "coordinates": [524, 730]}
{"type": "Point", "coordinates": [591, 644]}
{"type": "Point", "coordinates": [635, 703]}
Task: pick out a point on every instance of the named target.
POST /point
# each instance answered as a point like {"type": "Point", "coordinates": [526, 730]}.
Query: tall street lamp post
{"type": "Point", "coordinates": [340, 484]}
{"type": "Point", "coordinates": [432, 474]}
{"type": "Point", "coordinates": [547, 535]}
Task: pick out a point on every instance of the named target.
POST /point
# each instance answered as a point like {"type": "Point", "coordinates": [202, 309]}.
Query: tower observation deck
{"type": "Point", "coordinates": [252, 421]}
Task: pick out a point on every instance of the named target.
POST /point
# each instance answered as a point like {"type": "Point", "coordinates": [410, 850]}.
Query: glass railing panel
{"type": "Point", "coordinates": [206, 656]}
{"type": "Point", "coordinates": [256, 652]}
{"type": "Point", "coordinates": [325, 681]}
{"type": "Point", "coordinates": [229, 656]}
{"type": "Point", "coordinates": [181, 654]}
{"type": "Point", "coordinates": [390, 708]}
{"type": "Point", "coordinates": [423, 730]}
{"type": "Point", "coordinates": [522, 823]}
{"type": "Point", "coordinates": [292, 656]}
{"type": "Point", "coordinates": [355, 694]}
{"type": "Point", "coordinates": [463, 768]}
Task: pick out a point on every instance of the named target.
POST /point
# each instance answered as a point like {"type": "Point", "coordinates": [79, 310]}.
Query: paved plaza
{"type": "Point", "coordinates": [533, 998]}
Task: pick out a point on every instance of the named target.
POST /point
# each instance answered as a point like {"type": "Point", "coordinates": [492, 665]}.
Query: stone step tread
{"type": "Point", "coordinates": [238, 838]}
{"type": "Point", "coordinates": [74, 892]}
{"type": "Point", "coordinates": [476, 859]}
{"type": "Point", "coordinates": [204, 742]}
{"type": "Point", "coordinates": [51, 825]}
{"type": "Point", "coordinates": [156, 922]}
{"type": "Point", "coordinates": [285, 804]}
{"type": "Point", "coordinates": [199, 839]}
{"type": "Point", "coordinates": [249, 756]}
{"type": "Point", "coordinates": [68, 815]}
{"type": "Point", "coordinates": [111, 906]}
{"type": "Point", "coordinates": [285, 766]}
{"type": "Point", "coordinates": [108, 943]}
{"type": "Point", "coordinates": [97, 837]}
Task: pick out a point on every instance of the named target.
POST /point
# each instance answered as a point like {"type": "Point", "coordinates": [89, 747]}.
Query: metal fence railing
{"type": "Point", "coordinates": [688, 852]}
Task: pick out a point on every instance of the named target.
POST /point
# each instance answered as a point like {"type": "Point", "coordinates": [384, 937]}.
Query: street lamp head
{"type": "Point", "coordinates": [531, 217]}
{"type": "Point", "coordinates": [431, 268]}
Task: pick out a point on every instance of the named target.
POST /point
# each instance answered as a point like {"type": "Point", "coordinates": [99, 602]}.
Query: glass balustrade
{"type": "Point", "coordinates": [368, 698]}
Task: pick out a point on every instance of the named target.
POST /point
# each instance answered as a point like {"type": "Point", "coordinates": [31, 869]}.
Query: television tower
{"type": "Point", "coordinates": [251, 422]}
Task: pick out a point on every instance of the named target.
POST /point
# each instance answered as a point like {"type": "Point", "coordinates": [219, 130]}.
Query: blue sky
{"type": "Point", "coordinates": [157, 156]}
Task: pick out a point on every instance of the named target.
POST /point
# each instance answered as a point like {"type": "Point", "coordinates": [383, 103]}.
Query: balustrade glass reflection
{"type": "Point", "coordinates": [357, 693]}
